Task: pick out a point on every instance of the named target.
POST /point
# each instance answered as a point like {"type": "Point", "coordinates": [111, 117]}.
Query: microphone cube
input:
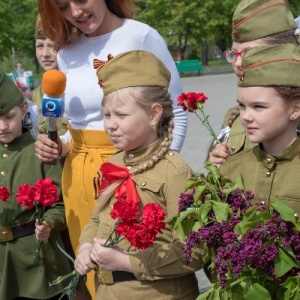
{"type": "Point", "coordinates": [52, 107]}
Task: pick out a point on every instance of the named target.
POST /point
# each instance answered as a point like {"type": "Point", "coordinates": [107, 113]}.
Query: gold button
{"type": "Point", "coordinates": [171, 153]}
{"type": "Point", "coordinates": [5, 145]}
{"type": "Point", "coordinates": [268, 159]}
{"type": "Point", "coordinates": [5, 155]}
{"type": "Point", "coordinates": [144, 277]}
{"type": "Point", "coordinates": [268, 174]}
{"type": "Point", "coordinates": [143, 183]}
{"type": "Point", "coordinates": [2, 173]}
{"type": "Point", "coordinates": [232, 148]}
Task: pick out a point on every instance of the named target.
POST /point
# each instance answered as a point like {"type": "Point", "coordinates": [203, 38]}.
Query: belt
{"type": "Point", "coordinates": [9, 233]}
{"type": "Point", "coordinates": [107, 277]}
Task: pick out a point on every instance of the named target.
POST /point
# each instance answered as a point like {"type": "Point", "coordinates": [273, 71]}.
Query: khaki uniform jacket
{"type": "Point", "coordinates": [268, 176]}
{"type": "Point", "coordinates": [238, 139]}
{"type": "Point", "coordinates": [20, 275]}
{"type": "Point", "coordinates": [160, 270]}
{"type": "Point", "coordinates": [37, 95]}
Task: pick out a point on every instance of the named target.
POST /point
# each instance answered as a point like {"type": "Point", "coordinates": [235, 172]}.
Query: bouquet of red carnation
{"type": "Point", "coordinates": [139, 230]}
{"type": "Point", "coordinates": [4, 193]}
{"type": "Point", "coordinates": [42, 194]}
{"type": "Point", "coordinates": [192, 101]}
{"type": "Point", "coordinates": [253, 249]}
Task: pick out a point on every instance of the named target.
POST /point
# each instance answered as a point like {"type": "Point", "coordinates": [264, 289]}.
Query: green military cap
{"type": "Point", "coordinates": [10, 94]}
{"type": "Point", "coordinates": [133, 68]}
{"type": "Point", "coordinates": [277, 65]}
{"type": "Point", "coordinates": [39, 32]}
{"type": "Point", "coordinates": [254, 19]}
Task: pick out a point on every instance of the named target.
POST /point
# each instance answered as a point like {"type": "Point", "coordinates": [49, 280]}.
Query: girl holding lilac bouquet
{"type": "Point", "coordinates": [21, 276]}
{"type": "Point", "coordinates": [269, 102]}
{"type": "Point", "coordinates": [138, 118]}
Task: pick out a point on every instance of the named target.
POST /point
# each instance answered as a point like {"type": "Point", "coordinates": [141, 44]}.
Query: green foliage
{"type": "Point", "coordinates": [211, 207]}
{"type": "Point", "coordinates": [17, 22]}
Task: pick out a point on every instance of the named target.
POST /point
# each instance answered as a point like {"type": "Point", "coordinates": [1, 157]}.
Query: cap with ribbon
{"type": "Point", "coordinates": [254, 19]}
{"type": "Point", "coordinates": [277, 65]}
{"type": "Point", "coordinates": [10, 94]}
{"type": "Point", "coordinates": [39, 32]}
{"type": "Point", "coordinates": [133, 68]}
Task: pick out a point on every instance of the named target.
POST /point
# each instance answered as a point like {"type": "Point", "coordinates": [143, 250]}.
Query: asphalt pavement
{"type": "Point", "coordinates": [221, 91]}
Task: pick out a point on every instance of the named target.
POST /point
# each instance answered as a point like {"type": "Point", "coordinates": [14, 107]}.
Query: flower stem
{"type": "Point", "coordinates": [205, 122]}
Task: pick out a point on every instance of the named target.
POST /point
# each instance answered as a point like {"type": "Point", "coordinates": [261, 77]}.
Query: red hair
{"type": "Point", "coordinates": [60, 31]}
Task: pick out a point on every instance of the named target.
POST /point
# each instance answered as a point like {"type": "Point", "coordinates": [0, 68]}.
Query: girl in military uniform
{"type": "Point", "coordinates": [278, 27]}
{"type": "Point", "coordinates": [21, 276]}
{"type": "Point", "coordinates": [139, 120]}
{"type": "Point", "coordinates": [269, 103]}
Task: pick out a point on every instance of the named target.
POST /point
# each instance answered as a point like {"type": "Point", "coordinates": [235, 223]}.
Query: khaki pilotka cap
{"type": "Point", "coordinates": [255, 19]}
{"type": "Point", "coordinates": [39, 32]}
{"type": "Point", "coordinates": [133, 68]}
{"type": "Point", "coordinates": [277, 65]}
{"type": "Point", "coordinates": [10, 94]}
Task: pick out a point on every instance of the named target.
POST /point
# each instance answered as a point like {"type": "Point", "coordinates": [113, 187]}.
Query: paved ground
{"type": "Point", "coordinates": [221, 91]}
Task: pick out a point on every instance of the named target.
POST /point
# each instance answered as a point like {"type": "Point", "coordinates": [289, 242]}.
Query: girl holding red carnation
{"type": "Point", "coordinates": [140, 185]}
{"type": "Point", "coordinates": [21, 276]}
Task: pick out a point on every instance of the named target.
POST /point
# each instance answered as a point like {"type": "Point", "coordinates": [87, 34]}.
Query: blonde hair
{"type": "Point", "coordinates": [145, 97]}
{"type": "Point", "coordinates": [62, 32]}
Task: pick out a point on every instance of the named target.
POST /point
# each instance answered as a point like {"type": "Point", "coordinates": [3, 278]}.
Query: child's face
{"type": "Point", "coordinates": [45, 54]}
{"type": "Point", "coordinates": [11, 124]}
{"type": "Point", "coordinates": [244, 47]}
{"type": "Point", "coordinates": [128, 124]}
{"type": "Point", "coordinates": [267, 118]}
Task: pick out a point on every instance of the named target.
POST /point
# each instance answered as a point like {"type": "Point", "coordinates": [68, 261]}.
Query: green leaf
{"type": "Point", "coordinates": [191, 183]}
{"type": "Point", "coordinates": [292, 288]}
{"type": "Point", "coordinates": [214, 171]}
{"type": "Point", "coordinates": [257, 292]}
{"type": "Point", "coordinates": [284, 261]}
{"type": "Point", "coordinates": [204, 211]}
{"type": "Point", "coordinates": [286, 213]}
{"type": "Point", "coordinates": [200, 189]}
{"type": "Point", "coordinates": [221, 210]}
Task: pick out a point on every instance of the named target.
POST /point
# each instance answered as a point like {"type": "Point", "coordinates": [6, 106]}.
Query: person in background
{"type": "Point", "coordinates": [254, 23]}
{"type": "Point", "coordinates": [269, 101]}
{"type": "Point", "coordinates": [47, 58]}
{"type": "Point", "coordinates": [21, 276]}
{"type": "Point", "coordinates": [82, 31]}
{"type": "Point", "coordinates": [138, 118]}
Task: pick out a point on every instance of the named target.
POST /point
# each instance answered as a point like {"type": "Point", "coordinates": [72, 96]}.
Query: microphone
{"type": "Point", "coordinates": [53, 85]}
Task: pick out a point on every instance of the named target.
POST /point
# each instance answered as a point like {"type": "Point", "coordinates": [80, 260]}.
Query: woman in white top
{"type": "Point", "coordinates": [83, 30]}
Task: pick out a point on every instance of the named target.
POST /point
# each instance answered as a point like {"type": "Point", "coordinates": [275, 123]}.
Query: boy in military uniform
{"type": "Point", "coordinates": [46, 57]}
{"type": "Point", "coordinates": [20, 275]}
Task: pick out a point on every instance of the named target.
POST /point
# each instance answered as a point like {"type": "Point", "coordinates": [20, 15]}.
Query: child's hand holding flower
{"type": "Point", "coordinates": [42, 231]}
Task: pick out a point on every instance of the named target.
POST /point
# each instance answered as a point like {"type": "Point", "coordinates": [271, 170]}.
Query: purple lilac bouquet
{"type": "Point", "coordinates": [252, 250]}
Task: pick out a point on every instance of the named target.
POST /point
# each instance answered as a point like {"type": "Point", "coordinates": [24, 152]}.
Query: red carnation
{"type": "Point", "coordinates": [154, 217]}
{"type": "Point", "coordinates": [25, 195]}
{"type": "Point", "coordinates": [190, 101]}
{"type": "Point", "coordinates": [139, 236]}
{"type": "Point", "coordinates": [125, 210]}
{"type": "Point", "coordinates": [4, 193]}
{"type": "Point", "coordinates": [45, 192]}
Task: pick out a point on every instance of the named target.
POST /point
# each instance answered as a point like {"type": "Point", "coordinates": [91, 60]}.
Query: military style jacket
{"type": "Point", "coordinates": [20, 275]}
{"type": "Point", "coordinates": [268, 176]}
{"type": "Point", "coordinates": [160, 270]}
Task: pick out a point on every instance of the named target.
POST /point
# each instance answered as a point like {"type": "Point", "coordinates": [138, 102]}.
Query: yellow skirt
{"type": "Point", "coordinates": [90, 149]}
